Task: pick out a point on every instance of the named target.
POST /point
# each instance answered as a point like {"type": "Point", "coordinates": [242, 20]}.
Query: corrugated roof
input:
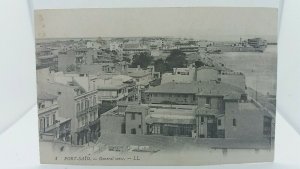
{"type": "Point", "coordinates": [173, 87]}
{"type": "Point", "coordinates": [139, 73]}
{"type": "Point", "coordinates": [200, 88]}
{"type": "Point", "coordinates": [207, 111]}
{"type": "Point", "coordinates": [45, 96]}
{"type": "Point", "coordinates": [136, 108]}
{"type": "Point", "coordinates": [169, 119]}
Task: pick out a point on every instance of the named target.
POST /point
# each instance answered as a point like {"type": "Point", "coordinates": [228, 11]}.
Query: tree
{"type": "Point", "coordinates": [100, 41]}
{"type": "Point", "coordinates": [176, 59]}
{"type": "Point", "coordinates": [143, 59]}
{"type": "Point", "coordinates": [199, 63]}
{"type": "Point", "coordinates": [126, 59]}
{"type": "Point", "coordinates": [160, 66]}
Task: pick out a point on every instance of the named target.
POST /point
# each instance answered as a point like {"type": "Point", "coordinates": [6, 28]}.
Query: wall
{"type": "Point", "coordinates": [237, 80]}
{"type": "Point", "coordinates": [216, 102]}
{"type": "Point", "coordinates": [133, 124]}
{"type": "Point", "coordinates": [43, 119]}
{"type": "Point", "coordinates": [65, 60]}
{"type": "Point", "coordinates": [66, 103]}
{"type": "Point", "coordinates": [201, 127]}
{"type": "Point", "coordinates": [169, 77]}
{"type": "Point", "coordinates": [43, 75]}
{"type": "Point", "coordinates": [249, 123]}
{"type": "Point", "coordinates": [189, 99]}
{"type": "Point", "coordinates": [207, 74]}
{"type": "Point", "coordinates": [110, 123]}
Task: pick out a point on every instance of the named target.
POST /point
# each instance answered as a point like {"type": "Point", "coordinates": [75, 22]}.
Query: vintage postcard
{"type": "Point", "coordinates": [156, 86]}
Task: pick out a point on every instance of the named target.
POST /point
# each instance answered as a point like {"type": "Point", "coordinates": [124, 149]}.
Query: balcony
{"type": "Point", "coordinates": [47, 109]}
{"type": "Point", "coordinates": [51, 127]}
{"type": "Point", "coordinates": [85, 111]}
{"type": "Point", "coordinates": [97, 120]}
{"type": "Point", "coordinates": [84, 127]}
{"type": "Point", "coordinates": [87, 125]}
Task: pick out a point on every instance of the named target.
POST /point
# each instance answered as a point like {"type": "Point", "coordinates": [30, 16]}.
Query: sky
{"type": "Point", "coordinates": [219, 23]}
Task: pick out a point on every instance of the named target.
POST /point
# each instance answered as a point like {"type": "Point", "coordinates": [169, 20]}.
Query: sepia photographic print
{"type": "Point", "coordinates": [156, 86]}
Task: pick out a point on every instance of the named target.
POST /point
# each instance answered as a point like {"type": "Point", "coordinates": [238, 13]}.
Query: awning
{"type": "Point", "coordinates": [169, 119]}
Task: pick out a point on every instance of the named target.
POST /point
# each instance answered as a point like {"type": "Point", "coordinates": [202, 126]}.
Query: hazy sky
{"type": "Point", "coordinates": [210, 23]}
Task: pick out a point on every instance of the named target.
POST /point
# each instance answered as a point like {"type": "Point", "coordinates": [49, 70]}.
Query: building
{"type": "Point", "coordinates": [135, 119]}
{"type": "Point", "coordinates": [46, 59]}
{"type": "Point", "coordinates": [115, 88]}
{"type": "Point", "coordinates": [142, 79]}
{"type": "Point", "coordinates": [257, 42]}
{"type": "Point", "coordinates": [51, 125]}
{"type": "Point", "coordinates": [70, 59]}
{"type": "Point", "coordinates": [222, 111]}
{"type": "Point", "coordinates": [93, 44]}
{"type": "Point", "coordinates": [80, 106]}
{"type": "Point", "coordinates": [237, 79]}
{"type": "Point", "coordinates": [113, 121]}
{"type": "Point", "coordinates": [170, 120]}
{"type": "Point", "coordinates": [206, 73]}
{"type": "Point", "coordinates": [87, 116]}
{"type": "Point", "coordinates": [133, 48]}
{"type": "Point", "coordinates": [179, 75]}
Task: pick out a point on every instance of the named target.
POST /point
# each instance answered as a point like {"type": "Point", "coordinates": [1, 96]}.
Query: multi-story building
{"type": "Point", "coordinates": [87, 117]}
{"type": "Point", "coordinates": [142, 79]}
{"type": "Point", "coordinates": [115, 88]}
{"type": "Point", "coordinates": [205, 74]}
{"type": "Point", "coordinates": [80, 106]}
{"type": "Point", "coordinates": [67, 60]}
{"type": "Point", "coordinates": [133, 48]}
{"type": "Point", "coordinates": [223, 111]}
{"type": "Point", "coordinates": [180, 75]}
{"type": "Point", "coordinates": [135, 119]}
{"type": "Point", "coordinates": [51, 125]}
{"type": "Point", "coordinates": [171, 120]}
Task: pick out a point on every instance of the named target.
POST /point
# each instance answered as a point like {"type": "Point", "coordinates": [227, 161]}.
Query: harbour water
{"type": "Point", "coordinates": [260, 69]}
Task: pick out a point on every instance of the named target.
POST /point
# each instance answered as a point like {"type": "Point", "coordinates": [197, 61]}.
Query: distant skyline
{"type": "Point", "coordinates": [208, 23]}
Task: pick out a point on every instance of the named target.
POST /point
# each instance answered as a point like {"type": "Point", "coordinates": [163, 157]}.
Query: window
{"type": "Point", "coordinates": [234, 122]}
{"type": "Point", "coordinates": [208, 100]}
{"type": "Point", "coordinates": [86, 119]}
{"type": "Point", "coordinates": [40, 105]}
{"type": "Point", "coordinates": [94, 100]}
{"type": "Point", "coordinates": [82, 121]}
{"type": "Point", "coordinates": [140, 126]}
{"type": "Point", "coordinates": [219, 122]}
{"type": "Point", "coordinates": [42, 124]}
{"type": "Point", "coordinates": [91, 117]}
{"type": "Point", "coordinates": [133, 131]}
{"type": "Point", "coordinates": [78, 107]}
{"type": "Point", "coordinates": [132, 116]}
{"type": "Point", "coordinates": [53, 118]}
{"type": "Point", "coordinates": [267, 126]}
{"type": "Point", "coordinates": [87, 103]}
{"type": "Point", "coordinates": [82, 106]}
{"type": "Point", "coordinates": [47, 121]}
{"type": "Point", "coordinates": [202, 119]}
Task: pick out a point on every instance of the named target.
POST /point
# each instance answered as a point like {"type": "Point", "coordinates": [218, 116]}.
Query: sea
{"type": "Point", "coordinates": [260, 69]}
